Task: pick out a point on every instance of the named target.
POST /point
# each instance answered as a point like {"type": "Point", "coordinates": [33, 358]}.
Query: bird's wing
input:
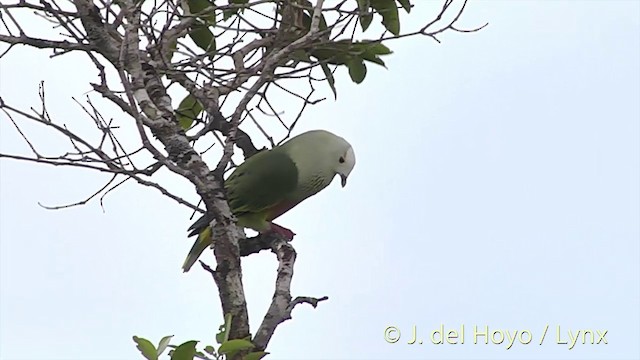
{"type": "Point", "coordinates": [261, 182]}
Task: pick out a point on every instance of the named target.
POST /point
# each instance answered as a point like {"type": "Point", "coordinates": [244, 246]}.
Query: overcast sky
{"type": "Point", "coordinates": [497, 184]}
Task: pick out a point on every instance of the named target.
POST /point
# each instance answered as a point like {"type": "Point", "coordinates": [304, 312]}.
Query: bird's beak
{"type": "Point", "coordinates": [344, 180]}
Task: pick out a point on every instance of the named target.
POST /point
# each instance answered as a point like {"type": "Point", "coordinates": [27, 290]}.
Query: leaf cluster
{"type": "Point", "coordinates": [227, 349]}
{"type": "Point", "coordinates": [349, 53]}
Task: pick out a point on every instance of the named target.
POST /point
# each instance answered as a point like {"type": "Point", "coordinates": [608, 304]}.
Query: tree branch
{"type": "Point", "coordinates": [45, 44]}
{"type": "Point", "coordinates": [281, 303]}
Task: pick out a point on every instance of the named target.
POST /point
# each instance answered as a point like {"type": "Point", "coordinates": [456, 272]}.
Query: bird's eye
{"type": "Point", "coordinates": [341, 159]}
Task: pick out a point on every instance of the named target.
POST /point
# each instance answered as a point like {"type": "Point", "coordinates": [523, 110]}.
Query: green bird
{"type": "Point", "coordinates": [272, 182]}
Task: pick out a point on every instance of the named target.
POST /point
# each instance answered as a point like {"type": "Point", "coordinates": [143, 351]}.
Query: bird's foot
{"type": "Point", "coordinates": [284, 232]}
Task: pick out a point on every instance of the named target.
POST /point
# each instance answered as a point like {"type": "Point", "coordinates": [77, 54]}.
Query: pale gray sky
{"type": "Point", "coordinates": [497, 185]}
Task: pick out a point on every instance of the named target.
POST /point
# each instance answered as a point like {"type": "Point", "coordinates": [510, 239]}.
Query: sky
{"type": "Point", "coordinates": [496, 189]}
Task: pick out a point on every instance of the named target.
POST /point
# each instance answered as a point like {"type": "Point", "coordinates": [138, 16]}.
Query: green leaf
{"type": "Point", "coordinates": [232, 11]}
{"type": "Point", "coordinates": [186, 351]}
{"type": "Point", "coordinates": [357, 69]}
{"type": "Point", "coordinates": [199, 31]}
{"type": "Point", "coordinates": [365, 21]}
{"type": "Point", "coordinates": [374, 59]}
{"type": "Point", "coordinates": [300, 55]}
{"type": "Point", "coordinates": [146, 348]}
{"type": "Point", "coordinates": [340, 52]}
{"type": "Point", "coordinates": [365, 16]}
{"type": "Point", "coordinates": [162, 345]}
{"type": "Point", "coordinates": [228, 13]}
{"type": "Point", "coordinates": [389, 12]}
{"type": "Point", "coordinates": [235, 345]}
{"type": "Point", "coordinates": [256, 355]}
{"type": "Point", "coordinates": [330, 55]}
{"type": "Point", "coordinates": [188, 111]}
{"type": "Point", "coordinates": [210, 350]}
{"type": "Point", "coordinates": [330, 79]}
{"type": "Point", "coordinates": [406, 5]}
{"type": "Point", "coordinates": [379, 49]}
{"type": "Point", "coordinates": [334, 52]}
{"type": "Point", "coordinates": [197, 6]}
{"type": "Point", "coordinates": [223, 335]}
{"type": "Point", "coordinates": [200, 355]}
{"type": "Point", "coordinates": [372, 50]}
{"type": "Point", "coordinates": [203, 37]}
{"type": "Point", "coordinates": [220, 335]}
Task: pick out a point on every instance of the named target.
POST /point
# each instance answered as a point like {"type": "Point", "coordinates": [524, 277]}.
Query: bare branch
{"type": "Point", "coordinates": [281, 304]}
{"type": "Point", "coordinates": [82, 202]}
{"type": "Point", "coordinates": [45, 44]}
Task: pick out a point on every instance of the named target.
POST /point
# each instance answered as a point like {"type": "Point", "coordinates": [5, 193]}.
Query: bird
{"type": "Point", "coordinates": [272, 182]}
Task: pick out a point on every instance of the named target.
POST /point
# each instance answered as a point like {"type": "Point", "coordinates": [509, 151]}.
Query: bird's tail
{"type": "Point", "coordinates": [202, 242]}
{"type": "Point", "coordinates": [200, 224]}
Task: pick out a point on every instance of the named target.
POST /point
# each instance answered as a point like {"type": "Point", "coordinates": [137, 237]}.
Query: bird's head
{"type": "Point", "coordinates": [322, 152]}
{"type": "Point", "coordinates": [345, 162]}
